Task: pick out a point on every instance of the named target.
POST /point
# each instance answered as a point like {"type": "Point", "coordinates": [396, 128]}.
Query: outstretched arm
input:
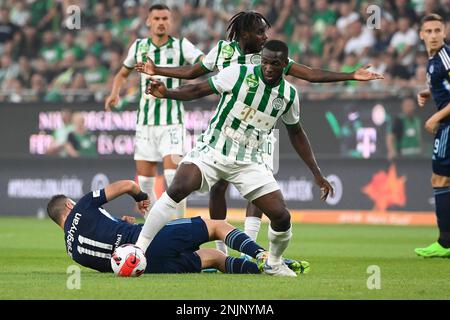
{"type": "Point", "coordinates": [184, 72]}
{"type": "Point", "coordinates": [186, 92]}
{"type": "Point", "coordinates": [300, 142]}
{"type": "Point", "coordinates": [318, 75]}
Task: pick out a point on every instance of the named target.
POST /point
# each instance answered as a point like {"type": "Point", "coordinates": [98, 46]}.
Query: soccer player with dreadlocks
{"type": "Point", "coordinates": [252, 99]}
{"type": "Point", "coordinates": [246, 38]}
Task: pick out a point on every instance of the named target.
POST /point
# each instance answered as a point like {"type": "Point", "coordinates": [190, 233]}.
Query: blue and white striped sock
{"type": "Point", "coordinates": [239, 265]}
{"type": "Point", "coordinates": [238, 240]}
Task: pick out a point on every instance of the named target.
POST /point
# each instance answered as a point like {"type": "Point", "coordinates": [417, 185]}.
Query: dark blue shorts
{"type": "Point", "coordinates": [441, 151]}
{"type": "Point", "coordinates": [173, 248]}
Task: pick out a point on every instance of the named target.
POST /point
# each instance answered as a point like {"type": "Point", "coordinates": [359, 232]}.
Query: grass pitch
{"type": "Point", "coordinates": [33, 265]}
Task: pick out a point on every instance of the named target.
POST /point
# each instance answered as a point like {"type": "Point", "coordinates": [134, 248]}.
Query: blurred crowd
{"type": "Point", "coordinates": [42, 59]}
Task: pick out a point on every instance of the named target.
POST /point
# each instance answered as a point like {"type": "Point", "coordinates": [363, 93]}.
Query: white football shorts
{"type": "Point", "coordinates": [252, 180]}
{"type": "Point", "coordinates": [153, 143]}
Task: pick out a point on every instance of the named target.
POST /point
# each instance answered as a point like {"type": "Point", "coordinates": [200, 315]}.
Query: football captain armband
{"type": "Point", "coordinates": [141, 196]}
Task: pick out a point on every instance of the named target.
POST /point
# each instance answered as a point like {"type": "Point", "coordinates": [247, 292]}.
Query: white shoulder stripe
{"type": "Point", "coordinates": [445, 58]}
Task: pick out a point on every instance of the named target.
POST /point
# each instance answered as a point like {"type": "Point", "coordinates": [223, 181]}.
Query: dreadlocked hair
{"type": "Point", "coordinates": [244, 21]}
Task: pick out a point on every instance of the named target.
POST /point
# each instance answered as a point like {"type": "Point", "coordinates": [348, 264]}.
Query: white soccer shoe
{"type": "Point", "coordinates": [278, 270]}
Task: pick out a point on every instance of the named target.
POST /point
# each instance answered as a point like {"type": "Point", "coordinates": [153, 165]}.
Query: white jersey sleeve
{"type": "Point", "coordinates": [225, 80]}
{"type": "Point", "coordinates": [292, 114]}
{"type": "Point", "coordinates": [210, 60]}
{"type": "Point", "coordinates": [288, 67]}
{"type": "Point", "coordinates": [130, 60]}
{"type": "Point", "coordinates": [190, 52]}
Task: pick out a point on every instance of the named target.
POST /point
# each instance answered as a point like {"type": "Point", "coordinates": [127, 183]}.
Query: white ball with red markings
{"type": "Point", "coordinates": [128, 260]}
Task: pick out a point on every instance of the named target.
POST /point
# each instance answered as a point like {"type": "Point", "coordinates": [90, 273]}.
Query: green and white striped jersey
{"type": "Point", "coordinates": [247, 112]}
{"type": "Point", "coordinates": [174, 53]}
{"type": "Point", "coordinates": [227, 53]}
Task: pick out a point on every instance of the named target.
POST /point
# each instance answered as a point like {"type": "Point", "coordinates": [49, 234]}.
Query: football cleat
{"type": "Point", "coordinates": [435, 250]}
{"type": "Point", "coordinates": [261, 259]}
{"type": "Point", "coordinates": [297, 266]}
{"type": "Point", "coordinates": [278, 270]}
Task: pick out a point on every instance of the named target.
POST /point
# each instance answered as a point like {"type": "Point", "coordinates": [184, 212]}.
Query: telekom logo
{"type": "Point", "coordinates": [366, 141]}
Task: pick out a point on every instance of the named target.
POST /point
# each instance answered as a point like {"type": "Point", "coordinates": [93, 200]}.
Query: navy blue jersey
{"type": "Point", "coordinates": [438, 78]}
{"type": "Point", "coordinates": [92, 234]}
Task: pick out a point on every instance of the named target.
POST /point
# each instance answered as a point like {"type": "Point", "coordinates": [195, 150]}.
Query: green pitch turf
{"type": "Point", "coordinates": [33, 265]}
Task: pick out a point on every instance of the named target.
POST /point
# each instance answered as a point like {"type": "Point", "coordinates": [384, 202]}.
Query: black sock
{"type": "Point", "coordinates": [442, 199]}
{"type": "Point", "coordinates": [444, 239]}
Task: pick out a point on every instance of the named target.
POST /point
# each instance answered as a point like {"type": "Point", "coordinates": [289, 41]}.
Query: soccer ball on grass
{"type": "Point", "coordinates": [128, 260]}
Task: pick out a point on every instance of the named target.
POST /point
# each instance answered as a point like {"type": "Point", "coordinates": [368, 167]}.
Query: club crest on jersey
{"type": "Point", "coordinates": [431, 70]}
{"type": "Point", "coordinates": [277, 103]}
{"type": "Point", "coordinates": [144, 47]}
{"type": "Point", "coordinates": [255, 59]}
{"type": "Point", "coordinates": [252, 81]}
{"type": "Point", "coordinates": [227, 51]}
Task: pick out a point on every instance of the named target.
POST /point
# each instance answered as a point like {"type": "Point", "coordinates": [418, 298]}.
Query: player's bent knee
{"type": "Point", "coordinates": [281, 221]}
{"type": "Point", "coordinates": [211, 226]}
{"type": "Point", "coordinates": [212, 258]}
{"type": "Point", "coordinates": [186, 180]}
{"type": "Point", "coordinates": [177, 191]}
{"type": "Point", "coordinates": [218, 229]}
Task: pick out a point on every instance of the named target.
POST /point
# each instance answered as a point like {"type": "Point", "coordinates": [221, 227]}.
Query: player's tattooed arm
{"type": "Point", "coordinates": [318, 75]}
{"type": "Point", "coordinates": [184, 72]}
{"type": "Point", "coordinates": [185, 93]}
{"type": "Point", "coordinates": [300, 142]}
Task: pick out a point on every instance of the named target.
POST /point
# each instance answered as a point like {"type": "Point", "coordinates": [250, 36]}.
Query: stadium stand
{"type": "Point", "coordinates": [43, 60]}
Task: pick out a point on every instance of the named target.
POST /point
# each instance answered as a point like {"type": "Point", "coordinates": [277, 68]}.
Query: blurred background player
{"type": "Point", "coordinates": [61, 134]}
{"type": "Point", "coordinates": [159, 129]}
{"type": "Point", "coordinates": [92, 235]}
{"type": "Point", "coordinates": [253, 98]}
{"type": "Point", "coordinates": [80, 142]}
{"type": "Point", "coordinates": [404, 132]}
{"type": "Point", "coordinates": [432, 32]}
{"type": "Point", "coordinates": [246, 38]}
